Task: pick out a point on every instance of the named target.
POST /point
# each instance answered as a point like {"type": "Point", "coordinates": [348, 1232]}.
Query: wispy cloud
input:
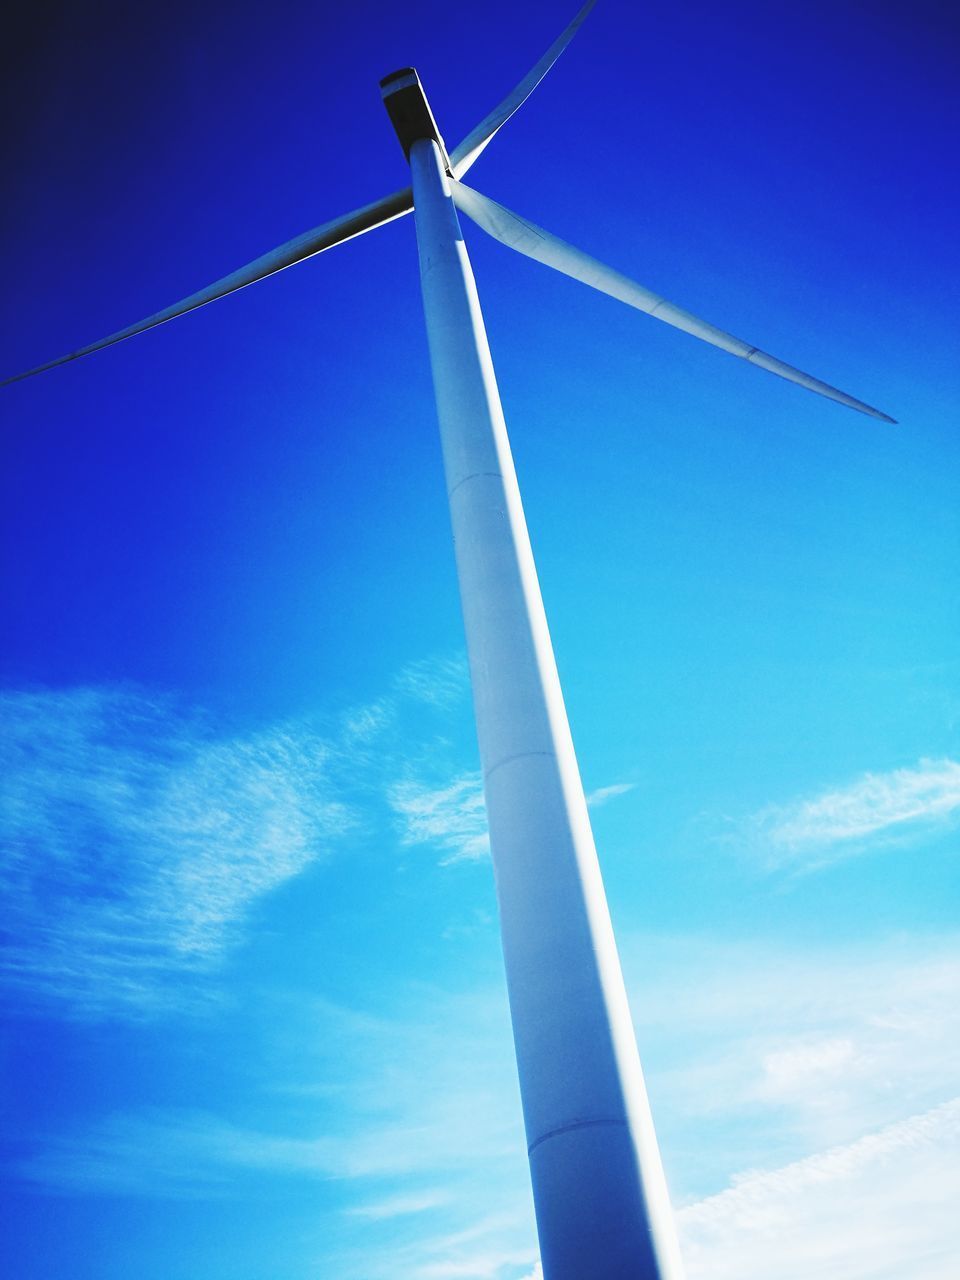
{"type": "Point", "coordinates": [400, 1205]}
{"type": "Point", "coordinates": [441, 681]}
{"type": "Point", "coordinates": [603, 795]}
{"type": "Point", "coordinates": [876, 806]}
{"type": "Point", "coordinates": [450, 817]}
{"type": "Point", "coordinates": [366, 722]}
{"type": "Point", "coordinates": [136, 838]}
{"type": "Point", "coordinates": [879, 1208]}
{"type": "Point", "coordinates": [139, 833]}
{"type": "Point", "coordinates": [438, 683]}
{"type": "Point", "coordinates": [808, 1064]}
{"type": "Point", "coordinates": [787, 1050]}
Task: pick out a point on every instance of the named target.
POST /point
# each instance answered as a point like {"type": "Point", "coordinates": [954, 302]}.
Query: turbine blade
{"type": "Point", "coordinates": [469, 149]}
{"type": "Point", "coordinates": [285, 255]}
{"type": "Point", "coordinates": [536, 243]}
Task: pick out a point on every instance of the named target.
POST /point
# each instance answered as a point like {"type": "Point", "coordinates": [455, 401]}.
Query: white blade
{"type": "Point", "coordinates": [533, 241]}
{"type": "Point", "coordinates": [286, 255]}
{"type": "Point", "coordinates": [463, 156]}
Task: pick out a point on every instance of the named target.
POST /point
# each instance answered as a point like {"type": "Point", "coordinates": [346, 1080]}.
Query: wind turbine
{"type": "Point", "coordinates": [599, 1191]}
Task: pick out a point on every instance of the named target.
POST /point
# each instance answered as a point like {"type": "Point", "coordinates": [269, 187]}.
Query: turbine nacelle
{"type": "Point", "coordinates": [410, 113]}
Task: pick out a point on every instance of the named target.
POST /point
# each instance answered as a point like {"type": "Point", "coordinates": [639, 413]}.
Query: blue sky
{"type": "Point", "coordinates": [255, 1022]}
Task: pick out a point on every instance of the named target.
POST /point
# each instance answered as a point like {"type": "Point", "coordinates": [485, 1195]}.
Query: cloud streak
{"type": "Point", "coordinates": [451, 817]}
{"type": "Point", "coordinates": [874, 1209]}
{"type": "Point", "coordinates": [876, 807]}
{"type": "Point", "coordinates": [603, 795]}
{"type": "Point", "coordinates": [399, 1206]}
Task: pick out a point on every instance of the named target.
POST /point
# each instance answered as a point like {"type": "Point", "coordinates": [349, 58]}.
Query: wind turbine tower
{"type": "Point", "coordinates": [598, 1185]}
{"type": "Point", "coordinates": [599, 1191]}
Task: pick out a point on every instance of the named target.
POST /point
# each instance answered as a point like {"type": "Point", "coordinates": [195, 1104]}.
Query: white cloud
{"type": "Point", "coordinates": [137, 839]}
{"type": "Point", "coordinates": [834, 824]}
{"type": "Point", "coordinates": [879, 1208]}
{"type": "Point", "coordinates": [440, 681]}
{"type": "Point", "coordinates": [400, 1205]}
{"type": "Point", "coordinates": [798, 1065]}
{"type": "Point", "coordinates": [367, 721]}
{"type": "Point", "coordinates": [452, 817]}
{"type": "Point", "coordinates": [437, 683]}
{"type": "Point", "coordinates": [604, 794]}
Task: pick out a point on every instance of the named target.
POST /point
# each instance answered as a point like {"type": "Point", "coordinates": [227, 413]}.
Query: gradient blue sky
{"type": "Point", "coordinates": [254, 1018]}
